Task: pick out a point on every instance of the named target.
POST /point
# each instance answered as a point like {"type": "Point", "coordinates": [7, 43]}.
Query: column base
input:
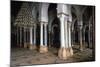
{"type": "Point", "coordinates": [43, 49]}
{"type": "Point", "coordinates": [81, 48]}
{"type": "Point", "coordinates": [71, 51]}
{"type": "Point", "coordinates": [28, 45]}
{"type": "Point", "coordinates": [25, 45]}
{"type": "Point", "coordinates": [65, 53]}
{"type": "Point", "coordinates": [32, 47]}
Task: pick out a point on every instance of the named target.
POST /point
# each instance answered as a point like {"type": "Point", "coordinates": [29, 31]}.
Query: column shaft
{"type": "Point", "coordinates": [41, 35]}
{"type": "Point", "coordinates": [25, 38]}
{"type": "Point", "coordinates": [45, 30]}
{"type": "Point", "coordinates": [34, 34]}
{"type": "Point", "coordinates": [66, 34]}
{"type": "Point", "coordinates": [31, 36]}
{"type": "Point", "coordinates": [84, 36]}
{"type": "Point", "coordinates": [64, 51]}
{"type": "Point", "coordinates": [24, 35]}
{"type": "Point", "coordinates": [80, 23]}
{"type": "Point", "coordinates": [49, 39]}
{"type": "Point", "coordinates": [80, 36]}
{"type": "Point", "coordinates": [89, 37]}
{"type": "Point", "coordinates": [62, 31]}
{"type": "Point", "coordinates": [69, 35]}
{"type": "Point", "coordinates": [43, 48]}
{"type": "Point", "coordinates": [20, 36]}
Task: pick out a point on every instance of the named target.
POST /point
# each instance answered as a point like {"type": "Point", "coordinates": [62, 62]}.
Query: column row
{"type": "Point", "coordinates": [43, 37]}
{"type": "Point", "coordinates": [26, 37]}
{"type": "Point", "coordinates": [65, 50]}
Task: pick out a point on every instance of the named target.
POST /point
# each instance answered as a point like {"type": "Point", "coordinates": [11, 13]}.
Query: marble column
{"type": "Point", "coordinates": [80, 26]}
{"type": "Point", "coordinates": [45, 35]}
{"type": "Point", "coordinates": [84, 35]}
{"type": "Point", "coordinates": [62, 32]}
{"type": "Point", "coordinates": [66, 33]}
{"type": "Point", "coordinates": [64, 51]}
{"type": "Point", "coordinates": [31, 38]}
{"type": "Point", "coordinates": [49, 39]}
{"type": "Point", "coordinates": [69, 39]}
{"type": "Point", "coordinates": [43, 46]}
{"type": "Point", "coordinates": [43, 18]}
{"type": "Point", "coordinates": [20, 37]}
{"type": "Point", "coordinates": [34, 44]}
{"type": "Point", "coordinates": [41, 34]}
{"type": "Point", "coordinates": [80, 38]}
{"type": "Point", "coordinates": [17, 36]}
{"type": "Point", "coordinates": [63, 14]}
{"type": "Point", "coordinates": [25, 44]}
{"type": "Point", "coordinates": [41, 38]}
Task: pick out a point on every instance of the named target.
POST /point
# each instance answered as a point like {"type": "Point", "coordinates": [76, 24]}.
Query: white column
{"type": "Point", "coordinates": [62, 31]}
{"type": "Point", "coordinates": [69, 31]}
{"type": "Point", "coordinates": [24, 35]}
{"type": "Point", "coordinates": [34, 34]}
{"type": "Point", "coordinates": [80, 38]}
{"type": "Point", "coordinates": [45, 29]}
{"type": "Point", "coordinates": [80, 24]}
{"type": "Point", "coordinates": [20, 36]}
{"type": "Point", "coordinates": [31, 36]}
{"type": "Point", "coordinates": [84, 35]}
{"type": "Point", "coordinates": [66, 33]}
{"type": "Point", "coordinates": [41, 34]}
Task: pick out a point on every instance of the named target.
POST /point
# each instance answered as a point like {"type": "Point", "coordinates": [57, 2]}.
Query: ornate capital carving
{"type": "Point", "coordinates": [61, 13]}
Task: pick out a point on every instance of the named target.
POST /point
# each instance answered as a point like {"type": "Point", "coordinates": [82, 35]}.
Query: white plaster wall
{"type": "Point", "coordinates": [69, 12]}
{"type": "Point", "coordinates": [43, 12]}
{"type": "Point", "coordinates": [65, 8]}
{"type": "Point", "coordinates": [62, 8]}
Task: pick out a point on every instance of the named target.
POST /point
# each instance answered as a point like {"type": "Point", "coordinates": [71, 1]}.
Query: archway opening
{"type": "Point", "coordinates": [55, 33]}
{"type": "Point", "coordinates": [53, 26]}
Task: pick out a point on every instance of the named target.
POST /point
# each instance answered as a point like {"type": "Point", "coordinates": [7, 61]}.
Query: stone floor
{"type": "Point", "coordinates": [24, 56]}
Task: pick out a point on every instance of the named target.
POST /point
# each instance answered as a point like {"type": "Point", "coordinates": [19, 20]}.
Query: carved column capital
{"type": "Point", "coordinates": [61, 14]}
